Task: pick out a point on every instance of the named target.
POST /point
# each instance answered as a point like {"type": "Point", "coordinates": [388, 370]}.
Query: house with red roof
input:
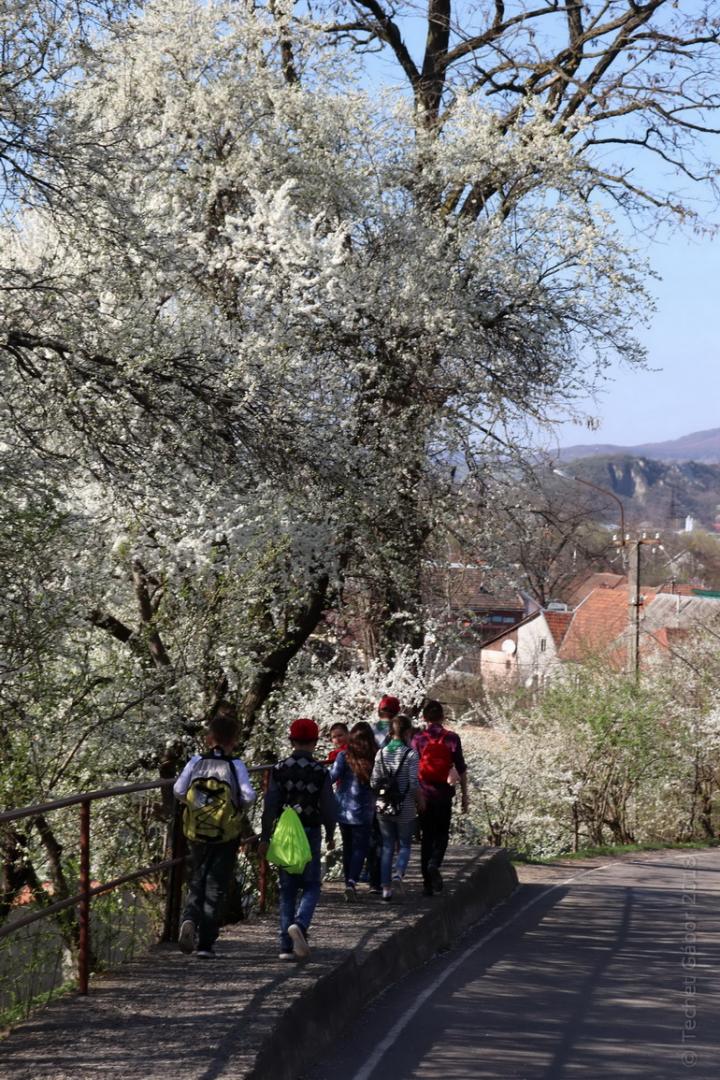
{"type": "Point", "coordinates": [526, 653]}
{"type": "Point", "coordinates": [583, 586]}
{"type": "Point", "coordinates": [597, 630]}
{"type": "Point", "coordinates": [597, 624]}
{"type": "Point", "coordinates": [600, 627]}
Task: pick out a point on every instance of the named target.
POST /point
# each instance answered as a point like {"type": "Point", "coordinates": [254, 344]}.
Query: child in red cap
{"type": "Point", "coordinates": [302, 782]}
{"type": "Point", "coordinates": [388, 707]}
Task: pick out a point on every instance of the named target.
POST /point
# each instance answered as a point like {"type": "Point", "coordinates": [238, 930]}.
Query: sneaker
{"type": "Point", "coordinates": [375, 889]}
{"type": "Point", "coordinates": [301, 949]}
{"type": "Point", "coordinates": [350, 893]}
{"type": "Point", "coordinates": [398, 884]}
{"type": "Point", "coordinates": [435, 879]}
{"type": "Point", "coordinates": [387, 894]}
{"type": "Point", "coordinates": [427, 890]}
{"type": "Point", "coordinates": [206, 954]}
{"type": "Point", "coordinates": [186, 937]}
{"type": "Point", "coordinates": [286, 956]}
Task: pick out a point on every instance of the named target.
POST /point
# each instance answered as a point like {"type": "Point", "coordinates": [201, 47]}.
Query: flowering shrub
{"type": "Point", "coordinates": [599, 760]}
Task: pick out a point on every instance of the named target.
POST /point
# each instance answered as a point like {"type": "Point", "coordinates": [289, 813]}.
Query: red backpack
{"type": "Point", "coordinates": [436, 761]}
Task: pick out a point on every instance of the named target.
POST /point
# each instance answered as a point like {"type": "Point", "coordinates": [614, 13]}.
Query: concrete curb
{"type": "Point", "coordinates": [318, 1017]}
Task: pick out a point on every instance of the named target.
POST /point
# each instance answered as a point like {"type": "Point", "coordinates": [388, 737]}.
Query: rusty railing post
{"type": "Point", "coordinates": [84, 936]}
{"type": "Point", "coordinates": [173, 899]}
{"type": "Point", "coordinates": [263, 871]}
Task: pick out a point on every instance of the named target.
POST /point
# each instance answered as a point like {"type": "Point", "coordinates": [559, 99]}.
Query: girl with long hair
{"type": "Point", "coordinates": [351, 773]}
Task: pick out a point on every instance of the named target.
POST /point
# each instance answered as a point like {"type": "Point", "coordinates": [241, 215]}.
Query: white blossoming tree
{"type": "Point", "coordinates": [260, 277]}
{"type": "Point", "coordinates": [254, 315]}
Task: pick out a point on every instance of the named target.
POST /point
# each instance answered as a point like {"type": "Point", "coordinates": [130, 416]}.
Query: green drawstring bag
{"type": "Point", "coordinates": [289, 846]}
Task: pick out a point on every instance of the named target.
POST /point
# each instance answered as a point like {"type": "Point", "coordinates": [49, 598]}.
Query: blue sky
{"type": "Point", "coordinates": [683, 394]}
{"type": "Point", "coordinates": [680, 391]}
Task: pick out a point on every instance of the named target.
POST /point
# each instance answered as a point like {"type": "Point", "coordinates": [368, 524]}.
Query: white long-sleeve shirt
{"type": "Point", "coordinates": [247, 791]}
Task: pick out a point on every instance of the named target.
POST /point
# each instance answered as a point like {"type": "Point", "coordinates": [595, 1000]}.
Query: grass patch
{"type": "Point", "coordinates": [611, 851]}
{"type": "Point", "coordinates": [22, 1010]}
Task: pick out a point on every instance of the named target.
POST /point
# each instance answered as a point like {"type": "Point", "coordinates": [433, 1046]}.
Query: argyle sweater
{"type": "Point", "coordinates": [304, 784]}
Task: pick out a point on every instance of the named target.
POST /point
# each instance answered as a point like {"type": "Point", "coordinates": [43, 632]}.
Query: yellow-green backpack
{"type": "Point", "coordinates": [213, 802]}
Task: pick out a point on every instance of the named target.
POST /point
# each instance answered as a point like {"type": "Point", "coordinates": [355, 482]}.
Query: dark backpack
{"type": "Point", "coordinates": [389, 798]}
{"type": "Point", "coordinates": [435, 761]}
{"type": "Point", "coordinates": [212, 814]}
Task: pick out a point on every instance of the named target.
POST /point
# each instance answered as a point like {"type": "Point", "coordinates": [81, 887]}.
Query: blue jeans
{"type": "Point", "coordinates": [355, 842]}
{"type": "Point", "coordinates": [308, 884]}
{"type": "Point", "coordinates": [394, 834]}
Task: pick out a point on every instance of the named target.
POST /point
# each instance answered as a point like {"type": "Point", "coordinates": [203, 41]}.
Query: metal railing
{"type": "Point", "coordinates": [82, 900]}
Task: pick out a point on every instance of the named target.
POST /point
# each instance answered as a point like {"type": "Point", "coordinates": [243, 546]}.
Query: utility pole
{"type": "Point", "coordinates": [634, 605]}
{"type": "Point", "coordinates": [635, 601]}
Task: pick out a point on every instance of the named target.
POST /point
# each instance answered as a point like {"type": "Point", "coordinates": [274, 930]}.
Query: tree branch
{"type": "Point", "coordinates": [147, 614]}
{"type": "Point", "coordinates": [389, 32]}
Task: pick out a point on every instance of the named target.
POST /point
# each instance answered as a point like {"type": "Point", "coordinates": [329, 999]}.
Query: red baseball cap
{"type": "Point", "coordinates": [389, 704]}
{"type": "Point", "coordinates": [304, 730]}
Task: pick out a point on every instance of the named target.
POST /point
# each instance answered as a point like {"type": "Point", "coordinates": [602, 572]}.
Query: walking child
{"type": "Point", "coordinates": [388, 707]}
{"type": "Point", "coordinates": [439, 750]}
{"type": "Point", "coordinates": [395, 773]}
{"type": "Point", "coordinates": [303, 783]}
{"type": "Point", "coordinates": [356, 806]}
{"type": "Point", "coordinates": [214, 787]}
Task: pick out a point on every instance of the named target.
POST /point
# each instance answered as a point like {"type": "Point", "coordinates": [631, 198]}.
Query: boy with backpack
{"type": "Point", "coordinates": [439, 751]}
{"type": "Point", "coordinates": [215, 788]}
{"type": "Point", "coordinates": [303, 783]}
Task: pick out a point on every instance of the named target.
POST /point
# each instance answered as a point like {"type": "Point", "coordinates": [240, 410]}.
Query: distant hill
{"type": "Point", "coordinates": [661, 493]}
{"type": "Point", "coordinates": [701, 446]}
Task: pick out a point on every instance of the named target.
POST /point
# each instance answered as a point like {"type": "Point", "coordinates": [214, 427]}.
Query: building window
{"type": "Point", "coordinates": [543, 644]}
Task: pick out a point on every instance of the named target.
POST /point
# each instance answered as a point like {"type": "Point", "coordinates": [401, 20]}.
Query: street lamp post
{"type": "Point", "coordinates": [603, 491]}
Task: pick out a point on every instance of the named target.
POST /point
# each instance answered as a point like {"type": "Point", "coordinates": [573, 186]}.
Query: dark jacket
{"type": "Point", "coordinates": [304, 784]}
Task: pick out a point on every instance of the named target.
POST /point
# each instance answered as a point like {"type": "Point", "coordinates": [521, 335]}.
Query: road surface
{"type": "Point", "coordinates": [607, 972]}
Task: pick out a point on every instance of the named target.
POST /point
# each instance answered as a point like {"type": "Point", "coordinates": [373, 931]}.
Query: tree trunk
{"type": "Point", "coordinates": [16, 870]}
{"type": "Point", "coordinates": [273, 668]}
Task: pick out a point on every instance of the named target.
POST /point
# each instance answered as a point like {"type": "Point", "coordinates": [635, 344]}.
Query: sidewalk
{"type": "Point", "coordinates": [175, 1017]}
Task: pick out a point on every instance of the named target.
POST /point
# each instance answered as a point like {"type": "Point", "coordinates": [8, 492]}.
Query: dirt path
{"type": "Point", "coordinates": [175, 1017]}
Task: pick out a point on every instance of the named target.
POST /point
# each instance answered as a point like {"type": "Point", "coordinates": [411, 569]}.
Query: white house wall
{"type": "Point", "coordinates": [533, 661]}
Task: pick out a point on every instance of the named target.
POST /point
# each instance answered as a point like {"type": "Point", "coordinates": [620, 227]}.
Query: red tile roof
{"type": "Point", "coordinates": [584, 586]}
{"type": "Point", "coordinates": [558, 623]}
{"type": "Point", "coordinates": [667, 637]}
{"type": "Point", "coordinates": [598, 622]}
{"type": "Point", "coordinates": [463, 588]}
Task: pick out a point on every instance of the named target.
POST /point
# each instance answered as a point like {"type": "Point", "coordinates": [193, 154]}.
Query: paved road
{"type": "Point", "coordinates": [613, 974]}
